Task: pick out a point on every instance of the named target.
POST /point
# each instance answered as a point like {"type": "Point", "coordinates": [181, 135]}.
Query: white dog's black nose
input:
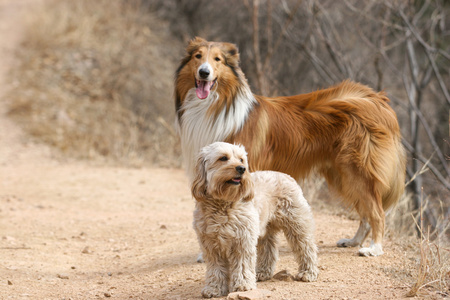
{"type": "Point", "coordinates": [240, 169]}
{"type": "Point", "coordinates": [204, 73]}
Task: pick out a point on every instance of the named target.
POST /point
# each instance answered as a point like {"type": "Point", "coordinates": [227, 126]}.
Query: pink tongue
{"type": "Point", "coordinates": [203, 89]}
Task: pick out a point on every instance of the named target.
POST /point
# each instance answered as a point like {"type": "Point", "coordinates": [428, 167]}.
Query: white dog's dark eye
{"type": "Point", "coordinates": [223, 158]}
{"type": "Point", "coordinates": [242, 160]}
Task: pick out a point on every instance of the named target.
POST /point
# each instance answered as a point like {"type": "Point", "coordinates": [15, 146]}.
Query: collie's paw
{"type": "Point", "coordinates": [373, 250]}
{"type": "Point", "coordinates": [346, 243]}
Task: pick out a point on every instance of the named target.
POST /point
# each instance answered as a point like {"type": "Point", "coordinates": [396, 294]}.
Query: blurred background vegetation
{"type": "Point", "coordinates": [95, 78]}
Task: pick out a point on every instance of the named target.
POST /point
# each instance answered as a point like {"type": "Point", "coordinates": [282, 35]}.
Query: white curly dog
{"type": "Point", "coordinates": [238, 215]}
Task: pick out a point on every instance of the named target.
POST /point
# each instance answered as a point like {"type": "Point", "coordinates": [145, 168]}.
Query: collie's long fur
{"type": "Point", "coordinates": [238, 216]}
{"type": "Point", "coordinates": [348, 133]}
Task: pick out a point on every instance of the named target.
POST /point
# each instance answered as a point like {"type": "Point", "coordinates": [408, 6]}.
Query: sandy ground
{"type": "Point", "coordinates": [77, 230]}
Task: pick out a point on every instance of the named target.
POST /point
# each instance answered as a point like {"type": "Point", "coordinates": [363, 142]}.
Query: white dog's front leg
{"type": "Point", "coordinates": [243, 271]}
{"type": "Point", "coordinates": [242, 261]}
{"type": "Point", "coordinates": [216, 276]}
{"type": "Point", "coordinates": [358, 239]}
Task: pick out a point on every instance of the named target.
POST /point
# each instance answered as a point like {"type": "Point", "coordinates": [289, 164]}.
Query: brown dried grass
{"type": "Point", "coordinates": [95, 80]}
{"type": "Point", "coordinates": [433, 274]}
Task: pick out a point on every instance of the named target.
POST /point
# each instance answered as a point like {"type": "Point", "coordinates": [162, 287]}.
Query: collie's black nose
{"type": "Point", "coordinates": [204, 73]}
{"type": "Point", "coordinates": [240, 169]}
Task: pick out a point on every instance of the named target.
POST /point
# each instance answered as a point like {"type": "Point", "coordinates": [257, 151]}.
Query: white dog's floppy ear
{"type": "Point", "coordinates": [249, 189]}
{"type": "Point", "coordinates": [198, 188]}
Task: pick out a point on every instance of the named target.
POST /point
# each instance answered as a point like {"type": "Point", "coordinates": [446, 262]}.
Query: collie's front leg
{"type": "Point", "coordinates": [375, 249]}
{"type": "Point", "coordinates": [377, 224]}
{"type": "Point", "coordinates": [358, 239]}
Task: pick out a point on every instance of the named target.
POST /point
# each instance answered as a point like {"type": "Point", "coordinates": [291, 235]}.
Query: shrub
{"type": "Point", "coordinates": [95, 80]}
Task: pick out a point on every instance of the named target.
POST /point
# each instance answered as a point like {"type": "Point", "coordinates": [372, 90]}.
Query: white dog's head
{"type": "Point", "coordinates": [222, 173]}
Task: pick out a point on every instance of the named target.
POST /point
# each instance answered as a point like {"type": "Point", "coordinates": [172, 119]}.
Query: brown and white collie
{"type": "Point", "coordinates": [348, 133]}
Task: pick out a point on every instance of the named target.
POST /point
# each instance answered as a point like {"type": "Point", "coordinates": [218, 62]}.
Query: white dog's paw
{"type": "Point", "coordinates": [307, 276]}
{"type": "Point", "coordinates": [263, 275]}
{"type": "Point", "coordinates": [210, 292]}
{"type": "Point", "coordinates": [243, 286]}
{"type": "Point", "coordinates": [347, 243]}
{"type": "Point", "coordinates": [373, 250]}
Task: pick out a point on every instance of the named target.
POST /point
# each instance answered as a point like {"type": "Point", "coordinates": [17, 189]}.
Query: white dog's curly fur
{"type": "Point", "coordinates": [238, 215]}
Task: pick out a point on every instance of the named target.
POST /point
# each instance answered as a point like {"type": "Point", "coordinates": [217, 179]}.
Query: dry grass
{"type": "Point", "coordinates": [95, 80]}
{"type": "Point", "coordinates": [399, 219]}
{"type": "Point", "coordinates": [433, 275]}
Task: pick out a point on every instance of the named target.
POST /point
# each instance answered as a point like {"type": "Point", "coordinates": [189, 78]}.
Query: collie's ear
{"type": "Point", "coordinates": [198, 188]}
{"type": "Point", "coordinates": [195, 44]}
{"type": "Point", "coordinates": [231, 53]}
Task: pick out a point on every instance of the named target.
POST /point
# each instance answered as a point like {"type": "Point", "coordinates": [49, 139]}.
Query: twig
{"type": "Point", "coordinates": [433, 168]}
{"type": "Point", "coordinates": [256, 49]}
{"type": "Point", "coordinates": [318, 64]}
{"type": "Point", "coordinates": [427, 49]}
{"type": "Point", "coordinates": [423, 170]}
{"type": "Point", "coordinates": [335, 55]}
{"type": "Point", "coordinates": [286, 24]}
{"type": "Point", "coordinates": [429, 133]}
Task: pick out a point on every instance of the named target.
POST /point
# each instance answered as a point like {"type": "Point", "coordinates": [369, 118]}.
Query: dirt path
{"type": "Point", "coordinates": [70, 230]}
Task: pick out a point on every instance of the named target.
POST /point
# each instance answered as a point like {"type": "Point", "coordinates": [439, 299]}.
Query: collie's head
{"type": "Point", "coordinates": [222, 174]}
{"type": "Point", "coordinates": [207, 67]}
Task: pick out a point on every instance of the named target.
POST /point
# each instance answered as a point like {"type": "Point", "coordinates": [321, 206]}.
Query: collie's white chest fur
{"type": "Point", "coordinates": [197, 129]}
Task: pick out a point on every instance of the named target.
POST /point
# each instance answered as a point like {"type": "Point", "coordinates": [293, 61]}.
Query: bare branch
{"type": "Point", "coordinates": [422, 170]}
{"type": "Point", "coordinates": [438, 76]}
{"type": "Point", "coordinates": [369, 16]}
{"type": "Point", "coordinates": [413, 65]}
{"type": "Point", "coordinates": [428, 131]}
{"type": "Point", "coordinates": [426, 77]}
{"type": "Point", "coordinates": [284, 29]}
{"type": "Point", "coordinates": [269, 27]}
{"type": "Point", "coordinates": [256, 49]}
{"type": "Point", "coordinates": [431, 166]}
{"type": "Point", "coordinates": [335, 54]}
{"type": "Point", "coordinates": [419, 37]}
{"type": "Point", "coordinates": [428, 49]}
{"type": "Point", "coordinates": [318, 64]}
{"type": "Point", "coordinates": [420, 13]}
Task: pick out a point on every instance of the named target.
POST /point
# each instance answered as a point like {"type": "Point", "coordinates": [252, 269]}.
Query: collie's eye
{"type": "Point", "coordinates": [217, 58]}
{"type": "Point", "coordinates": [198, 56]}
{"type": "Point", "coordinates": [223, 158]}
